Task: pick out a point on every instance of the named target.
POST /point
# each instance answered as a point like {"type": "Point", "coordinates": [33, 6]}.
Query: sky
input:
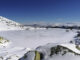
{"type": "Point", "coordinates": [30, 11]}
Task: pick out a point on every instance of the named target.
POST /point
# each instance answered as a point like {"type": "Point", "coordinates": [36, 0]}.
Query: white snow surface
{"type": "Point", "coordinates": [24, 40]}
{"type": "Point", "coordinates": [35, 38]}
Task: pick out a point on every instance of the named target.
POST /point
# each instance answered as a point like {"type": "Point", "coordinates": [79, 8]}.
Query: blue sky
{"type": "Point", "coordinates": [25, 11]}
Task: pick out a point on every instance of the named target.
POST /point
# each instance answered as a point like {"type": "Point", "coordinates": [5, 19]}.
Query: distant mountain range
{"type": "Point", "coordinates": [56, 25]}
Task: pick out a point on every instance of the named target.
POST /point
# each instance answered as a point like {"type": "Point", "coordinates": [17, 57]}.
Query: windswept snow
{"type": "Point", "coordinates": [38, 37]}
{"type": "Point", "coordinates": [23, 41]}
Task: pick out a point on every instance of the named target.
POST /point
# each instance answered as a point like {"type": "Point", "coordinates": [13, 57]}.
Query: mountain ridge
{"type": "Point", "coordinates": [7, 24]}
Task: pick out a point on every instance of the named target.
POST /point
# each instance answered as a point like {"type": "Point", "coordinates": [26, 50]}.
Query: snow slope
{"type": "Point", "coordinates": [7, 24]}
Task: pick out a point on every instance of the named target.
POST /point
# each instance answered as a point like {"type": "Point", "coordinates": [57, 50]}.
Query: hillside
{"type": "Point", "coordinates": [7, 24]}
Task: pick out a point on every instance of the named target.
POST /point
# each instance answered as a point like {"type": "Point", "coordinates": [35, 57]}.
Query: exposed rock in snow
{"type": "Point", "coordinates": [4, 42]}
{"type": "Point", "coordinates": [46, 52]}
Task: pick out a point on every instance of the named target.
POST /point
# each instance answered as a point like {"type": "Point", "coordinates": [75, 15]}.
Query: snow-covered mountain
{"type": "Point", "coordinates": [7, 24]}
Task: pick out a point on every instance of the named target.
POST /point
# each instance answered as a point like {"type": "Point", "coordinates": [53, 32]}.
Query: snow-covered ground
{"type": "Point", "coordinates": [35, 38]}
{"type": "Point", "coordinates": [25, 40]}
